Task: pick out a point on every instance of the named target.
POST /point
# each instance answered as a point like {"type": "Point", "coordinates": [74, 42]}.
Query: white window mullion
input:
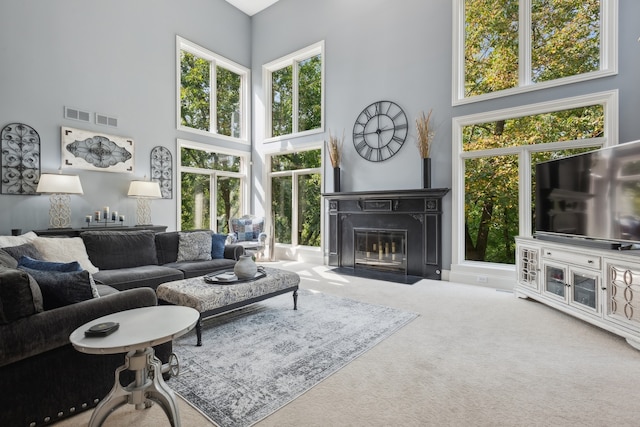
{"type": "Point", "coordinates": [294, 208]}
{"type": "Point", "coordinates": [524, 43]}
{"type": "Point", "coordinates": [295, 95]}
{"type": "Point", "coordinates": [524, 190]}
{"type": "Point", "coordinates": [213, 128]}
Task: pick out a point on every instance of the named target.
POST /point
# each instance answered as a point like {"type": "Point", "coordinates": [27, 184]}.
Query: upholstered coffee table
{"type": "Point", "coordinates": [210, 299]}
{"type": "Point", "coordinates": [140, 329]}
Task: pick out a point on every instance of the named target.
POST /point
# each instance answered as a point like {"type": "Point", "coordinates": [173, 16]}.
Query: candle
{"type": "Point", "coordinates": [114, 215]}
{"type": "Point", "coordinates": [88, 219]}
{"type": "Point", "coordinates": [105, 212]}
{"type": "Point", "coordinates": [121, 218]}
{"type": "Point", "coordinates": [96, 215]}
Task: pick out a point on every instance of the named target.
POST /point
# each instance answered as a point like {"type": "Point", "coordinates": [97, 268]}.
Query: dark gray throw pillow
{"type": "Point", "coordinates": [62, 288]}
{"type": "Point", "coordinates": [19, 295]}
{"type": "Point", "coordinates": [26, 249]}
{"type": "Point", "coordinates": [6, 260]}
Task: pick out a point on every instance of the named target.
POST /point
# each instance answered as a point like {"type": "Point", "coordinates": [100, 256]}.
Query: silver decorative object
{"type": "Point", "coordinates": [20, 159]}
{"type": "Point", "coordinates": [162, 170]}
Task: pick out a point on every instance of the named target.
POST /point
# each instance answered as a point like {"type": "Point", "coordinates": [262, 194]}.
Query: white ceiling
{"type": "Point", "coordinates": [251, 7]}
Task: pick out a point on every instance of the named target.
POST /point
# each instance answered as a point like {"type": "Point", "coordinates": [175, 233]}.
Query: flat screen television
{"type": "Point", "coordinates": [594, 196]}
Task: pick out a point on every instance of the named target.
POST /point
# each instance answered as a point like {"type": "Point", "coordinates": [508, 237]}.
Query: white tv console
{"type": "Point", "coordinates": [599, 286]}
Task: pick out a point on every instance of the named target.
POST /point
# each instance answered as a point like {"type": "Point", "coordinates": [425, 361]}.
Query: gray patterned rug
{"type": "Point", "coordinates": [255, 360]}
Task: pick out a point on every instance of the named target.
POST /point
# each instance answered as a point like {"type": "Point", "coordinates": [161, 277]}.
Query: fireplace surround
{"type": "Point", "coordinates": [387, 231]}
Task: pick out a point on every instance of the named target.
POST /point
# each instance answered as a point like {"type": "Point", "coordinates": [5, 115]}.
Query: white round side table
{"type": "Point", "coordinates": [140, 329]}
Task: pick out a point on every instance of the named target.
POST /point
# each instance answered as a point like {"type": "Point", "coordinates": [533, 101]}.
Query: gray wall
{"type": "Point", "coordinates": [400, 50]}
{"type": "Point", "coordinates": [115, 57]}
{"type": "Point", "coordinates": [118, 57]}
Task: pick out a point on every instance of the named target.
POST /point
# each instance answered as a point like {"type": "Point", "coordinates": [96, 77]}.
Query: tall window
{"type": "Point", "coordinates": [507, 46]}
{"type": "Point", "coordinates": [211, 181]}
{"type": "Point", "coordinates": [213, 94]}
{"type": "Point", "coordinates": [497, 155]}
{"type": "Point", "coordinates": [295, 197]}
{"type": "Point", "coordinates": [295, 93]}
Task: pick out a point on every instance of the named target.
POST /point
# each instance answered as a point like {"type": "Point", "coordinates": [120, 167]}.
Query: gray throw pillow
{"type": "Point", "coordinates": [27, 249]}
{"type": "Point", "coordinates": [6, 260]}
{"type": "Point", "coordinates": [194, 246]}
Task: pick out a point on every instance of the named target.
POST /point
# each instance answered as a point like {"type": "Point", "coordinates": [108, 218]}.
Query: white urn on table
{"type": "Point", "coordinates": [245, 268]}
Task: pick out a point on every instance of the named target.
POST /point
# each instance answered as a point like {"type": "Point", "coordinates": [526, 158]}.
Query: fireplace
{"type": "Point", "coordinates": [387, 231]}
{"type": "Point", "coordinates": [383, 250]}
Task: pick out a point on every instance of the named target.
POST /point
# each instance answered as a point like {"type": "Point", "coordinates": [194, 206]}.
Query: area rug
{"type": "Point", "coordinates": [255, 360]}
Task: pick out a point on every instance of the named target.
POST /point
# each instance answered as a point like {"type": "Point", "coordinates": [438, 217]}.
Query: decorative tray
{"type": "Point", "coordinates": [229, 278]}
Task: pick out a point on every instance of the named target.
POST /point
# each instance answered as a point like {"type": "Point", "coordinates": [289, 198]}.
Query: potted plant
{"type": "Point", "coordinates": [334, 146]}
{"type": "Point", "coordinates": [424, 139]}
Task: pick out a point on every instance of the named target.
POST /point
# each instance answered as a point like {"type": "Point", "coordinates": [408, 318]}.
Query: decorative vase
{"type": "Point", "coordinates": [426, 172]}
{"type": "Point", "coordinates": [336, 179]}
{"type": "Point", "coordinates": [245, 268]}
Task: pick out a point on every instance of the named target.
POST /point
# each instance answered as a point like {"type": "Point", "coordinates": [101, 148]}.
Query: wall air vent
{"type": "Point", "coordinates": [104, 120]}
{"type": "Point", "coordinates": [77, 114]}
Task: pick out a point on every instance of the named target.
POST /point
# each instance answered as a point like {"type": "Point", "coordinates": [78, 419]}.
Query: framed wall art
{"type": "Point", "coordinates": [162, 170]}
{"type": "Point", "coordinates": [20, 159]}
{"type": "Point", "coordinates": [95, 151]}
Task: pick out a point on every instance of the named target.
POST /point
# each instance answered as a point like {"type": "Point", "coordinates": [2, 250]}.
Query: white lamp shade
{"type": "Point", "coordinates": [145, 190]}
{"type": "Point", "coordinates": [53, 183]}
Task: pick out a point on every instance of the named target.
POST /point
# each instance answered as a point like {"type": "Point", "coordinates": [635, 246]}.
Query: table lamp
{"type": "Point", "coordinates": [59, 187]}
{"type": "Point", "coordinates": [144, 191]}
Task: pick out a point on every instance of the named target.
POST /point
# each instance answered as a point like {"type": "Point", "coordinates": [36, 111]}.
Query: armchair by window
{"type": "Point", "coordinates": [248, 231]}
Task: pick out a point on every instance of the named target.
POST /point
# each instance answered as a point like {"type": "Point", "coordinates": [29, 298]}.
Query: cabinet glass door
{"type": "Point", "coordinates": [584, 290]}
{"type": "Point", "coordinates": [555, 280]}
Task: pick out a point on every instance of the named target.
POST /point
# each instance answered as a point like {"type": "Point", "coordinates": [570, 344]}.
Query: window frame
{"type": "Point", "coordinates": [459, 265]}
{"type": "Point", "coordinates": [608, 54]}
{"type": "Point", "coordinates": [294, 196]}
{"type": "Point", "coordinates": [215, 61]}
{"type": "Point", "coordinates": [243, 175]}
{"type": "Point", "coordinates": [278, 64]}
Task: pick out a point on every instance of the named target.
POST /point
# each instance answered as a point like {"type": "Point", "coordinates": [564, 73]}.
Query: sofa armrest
{"type": "Point", "coordinates": [233, 251]}
{"type": "Point", "coordinates": [50, 329]}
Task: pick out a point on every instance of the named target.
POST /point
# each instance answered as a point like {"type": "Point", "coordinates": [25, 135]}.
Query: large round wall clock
{"type": "Point", "coordinates": [380, 131]}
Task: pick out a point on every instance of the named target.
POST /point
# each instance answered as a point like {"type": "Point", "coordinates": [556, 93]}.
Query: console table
{"type": "Point", "coordinates": [599, 286]}
{"type": "Point", "coordinates": [75, 232]}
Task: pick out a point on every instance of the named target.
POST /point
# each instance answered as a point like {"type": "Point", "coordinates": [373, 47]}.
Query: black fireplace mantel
{"type": "Point", "coordinates": [419, 212]}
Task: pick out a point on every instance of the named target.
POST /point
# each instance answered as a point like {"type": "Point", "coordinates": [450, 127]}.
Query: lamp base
{"type": "Point", "coordinates": [60, 211]}
{"type": "Point", "coordinates": [143, 213]}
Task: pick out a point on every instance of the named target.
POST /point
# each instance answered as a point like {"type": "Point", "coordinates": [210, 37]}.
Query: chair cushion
{"type": "Point", "coordinates": [247, 228]}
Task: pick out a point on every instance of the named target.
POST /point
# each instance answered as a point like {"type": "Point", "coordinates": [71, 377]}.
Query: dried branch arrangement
{"type": "Point", "coordinates": [335, 149]}
{"type": "Point", "coordinates": [425, 134]}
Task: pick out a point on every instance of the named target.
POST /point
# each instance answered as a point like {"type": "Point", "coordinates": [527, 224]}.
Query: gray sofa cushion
{"type": "Point", "coordinates": [26, 249]}
{"type": "Point", "coordinates": [19, 295]}
{"type": "Point", "coordinates": [200, 268]}
{"type": "Point", "coordinates": [136, 277]}
{"type": "Point", "coordinates": [110, 250]}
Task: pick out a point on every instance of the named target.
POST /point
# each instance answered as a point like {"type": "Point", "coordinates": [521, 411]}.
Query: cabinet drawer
{"type": "Point", "coordinates": [583, 260]}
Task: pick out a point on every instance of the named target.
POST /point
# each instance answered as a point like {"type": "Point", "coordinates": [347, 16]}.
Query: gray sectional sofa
{"type": "Point", "coordinates": [44, 378]}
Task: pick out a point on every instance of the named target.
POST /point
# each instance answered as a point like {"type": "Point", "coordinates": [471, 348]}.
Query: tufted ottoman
{"type": "Point", "coordinates": [211, 299]}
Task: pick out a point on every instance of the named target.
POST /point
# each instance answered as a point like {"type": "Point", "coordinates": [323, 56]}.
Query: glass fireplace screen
{"type": "Point", "coordinates": [381, 250]}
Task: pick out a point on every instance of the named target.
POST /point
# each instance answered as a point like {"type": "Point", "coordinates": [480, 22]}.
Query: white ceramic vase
{"type": "Point", "coordinates": [245, 268]}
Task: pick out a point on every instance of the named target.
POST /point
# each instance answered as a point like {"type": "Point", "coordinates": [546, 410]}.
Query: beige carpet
{"type": "Point", "coordinates": [474, 357]}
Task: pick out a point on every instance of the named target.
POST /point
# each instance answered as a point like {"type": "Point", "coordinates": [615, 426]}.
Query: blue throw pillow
{"type": "Point", "coordinates": [217, 245]}
{"type": "Point", "coordinates": [62, 288]}
{"type": "Point", "coordinates": [36, 264]}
